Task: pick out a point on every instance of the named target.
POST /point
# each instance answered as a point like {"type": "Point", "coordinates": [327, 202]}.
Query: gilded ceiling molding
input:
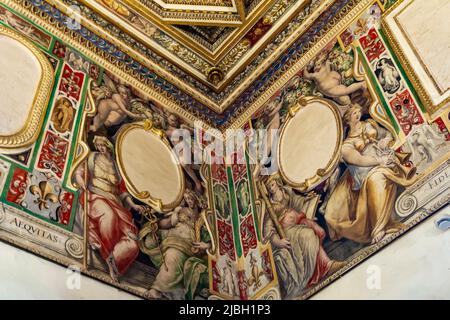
{"type": "Point", "coordinates": [338, 28]}
{"type": "Point", "coordinates": [189, 55]}
{"type": "Point", "coordinates": [144, 85]}
{"type": "Point", "coordinates": [190, 109]}
{"type": "Point", "coordinates": [202, 98]}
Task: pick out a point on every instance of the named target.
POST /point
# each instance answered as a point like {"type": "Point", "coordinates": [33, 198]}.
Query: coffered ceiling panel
{"type": "Point", "coordinates": [212, 71]}
{"type": "Point", "coordinates": [195, 12]}
{"type": "Point", "coordinates": [199, 37]}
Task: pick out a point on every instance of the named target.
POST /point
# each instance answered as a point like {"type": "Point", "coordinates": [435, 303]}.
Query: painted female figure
{"type": "Point", "coordinates": [360, 207]}
{"type": "Point", "coordinates": [111, 228]}
{"type": "Point", "coordinates": [179, 251]}
{"type": "Point", "coordinates": [300, 259]}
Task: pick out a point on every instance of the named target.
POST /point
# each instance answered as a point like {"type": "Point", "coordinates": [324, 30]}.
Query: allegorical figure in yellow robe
{"type": "Point", "coordinates": [360, 208]}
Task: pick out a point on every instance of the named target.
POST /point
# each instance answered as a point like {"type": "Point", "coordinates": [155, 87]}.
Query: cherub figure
{"type": "Point", "coordinates": [112, 103]}
{"type": "Point", "coordinates": [329, 82]}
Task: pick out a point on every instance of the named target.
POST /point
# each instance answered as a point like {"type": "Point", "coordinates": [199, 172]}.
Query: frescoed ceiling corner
{"type": "Point", "coordinates": [351, 111]}
{"type": "Point", "coordinates": [212, 72]}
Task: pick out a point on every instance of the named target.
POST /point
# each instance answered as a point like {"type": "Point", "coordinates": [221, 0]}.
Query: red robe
{"type": "Point", "coordinates": [111, 227]}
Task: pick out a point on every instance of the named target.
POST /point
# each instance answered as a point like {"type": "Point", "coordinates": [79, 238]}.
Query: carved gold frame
{"type": "Point", "coordinates": [322, 173]}
{"type": "Point", "coordinates": [213, 58]}
{"type": "Point", "coordinates": [144, 195]}
{"type": "Point", "coordinates": [134, 80]}
{"type": "Point", "coordinates": [29, 133]}
{"type": "Point", "coordinates": [199, 13]}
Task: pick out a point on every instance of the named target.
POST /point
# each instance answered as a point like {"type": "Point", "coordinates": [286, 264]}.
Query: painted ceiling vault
{"type": "Point", "coordinates": [214, 69]}
{"type": "Point", "coordinates": [111, 110]}
{"type": "Point", "coordinates": [211, 44]}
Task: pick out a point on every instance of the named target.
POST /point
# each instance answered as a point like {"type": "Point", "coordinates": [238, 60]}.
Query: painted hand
{"type": "Point", "coordinates": [139, 208]}
{"type": "Point", "coordinates": [283, 244]}
{"type": "Point", "coordinates": [384, 143]}
{"type": "Point", "coordinates": [201, 245]}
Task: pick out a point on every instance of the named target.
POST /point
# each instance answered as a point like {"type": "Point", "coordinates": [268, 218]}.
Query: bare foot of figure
{"type": "Point", "coordinates": [112, 269]}
{"type": "Point", "coordinates": [336, 266]}
{"type": "Point", "coordinates": [378, 237]}
{"type": "Point", "coordinates": [153, 294]}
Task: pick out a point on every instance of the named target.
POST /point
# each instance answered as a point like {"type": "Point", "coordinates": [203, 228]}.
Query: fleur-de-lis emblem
{"type": "Point", "coordinates": [44, 191]}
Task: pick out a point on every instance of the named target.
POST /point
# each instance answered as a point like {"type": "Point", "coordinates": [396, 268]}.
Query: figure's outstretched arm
{"type": "Point", "coordinates": [352, 156]}
{"type": "Point", "coordinates": [165, 223]}
{"type": "Point", "coordinates": [79, 177]}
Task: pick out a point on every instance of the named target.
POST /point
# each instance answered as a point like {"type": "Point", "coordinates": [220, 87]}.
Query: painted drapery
{"type": "Point", "coordinates": [221, 240]}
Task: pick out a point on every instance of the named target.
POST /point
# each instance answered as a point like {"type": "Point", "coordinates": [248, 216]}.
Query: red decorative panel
{"type": "Point", "coordinates": [406, 111]}
{"type": "Point", "coordinates": [372, 45]}
{"type": "Point", "coordinates": [248, 235]}
{"type": "Point", "coordinates": [226, 244]}
{"type": "Point", "coordinates": [53, 154]}
{"type": "Point", "coordinates": [18, 186]}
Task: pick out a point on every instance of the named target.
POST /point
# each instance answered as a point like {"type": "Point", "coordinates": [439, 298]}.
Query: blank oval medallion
{"type": "Point", "coordinates": [310, 144]}
{"type": "Point", "coordinates": [149, 165]}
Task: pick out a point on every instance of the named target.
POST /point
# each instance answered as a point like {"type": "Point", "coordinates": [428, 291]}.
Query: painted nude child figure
{"type": "Point", "coordinates": [113, 110]}
{"type": "Point", "coordinates": [329, 82]}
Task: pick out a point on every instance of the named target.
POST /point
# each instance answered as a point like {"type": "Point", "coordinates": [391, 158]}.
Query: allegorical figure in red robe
{"type": "Point", "coordinates": [112, 231]}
